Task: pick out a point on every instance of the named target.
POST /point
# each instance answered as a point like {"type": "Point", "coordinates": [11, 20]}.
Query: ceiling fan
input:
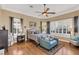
{"type": "Point", "coordinates": [45, 11]}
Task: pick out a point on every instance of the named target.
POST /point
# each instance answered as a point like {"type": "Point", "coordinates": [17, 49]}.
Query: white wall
{"type": "Point", "coordinates": [0, 17]}
{"type": "Point", "coordinates": [5, 19]}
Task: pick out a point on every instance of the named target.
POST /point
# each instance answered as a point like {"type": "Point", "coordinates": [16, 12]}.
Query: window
{"type": "Point", "coordinates": [62, 26]}
{"type": "Point", "coordinates": [16, 26]}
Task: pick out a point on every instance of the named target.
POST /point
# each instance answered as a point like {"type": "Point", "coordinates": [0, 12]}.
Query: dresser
{"type": "Point", "coordinates": [4, 40]}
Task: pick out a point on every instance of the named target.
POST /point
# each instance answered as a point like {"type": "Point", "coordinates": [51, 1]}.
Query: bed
{"type": "Point", "coordinates": [35, 37]}
{"type": "Point", "coordinates": [44, 40]}
{"type": "Point", "coordinates": [34, 34]}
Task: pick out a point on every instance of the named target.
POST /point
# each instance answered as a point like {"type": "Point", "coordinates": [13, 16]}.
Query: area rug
{"type": "Point", "coordinates": [53, 50]}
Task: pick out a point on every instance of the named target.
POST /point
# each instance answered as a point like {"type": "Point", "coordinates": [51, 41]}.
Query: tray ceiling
{"type": "Point", "coordinates": [30, 9]}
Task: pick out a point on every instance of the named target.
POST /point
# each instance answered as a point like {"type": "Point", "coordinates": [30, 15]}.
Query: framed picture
{"type": "Point", "coordinates": [32, 24]}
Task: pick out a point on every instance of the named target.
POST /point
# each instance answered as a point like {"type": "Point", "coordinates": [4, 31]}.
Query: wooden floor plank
{"type": "Point", "coordinates": [29, 48]}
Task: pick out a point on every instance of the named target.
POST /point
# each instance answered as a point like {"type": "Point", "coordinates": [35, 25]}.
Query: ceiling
{"type": "Point", "coordinates": [30, 9]}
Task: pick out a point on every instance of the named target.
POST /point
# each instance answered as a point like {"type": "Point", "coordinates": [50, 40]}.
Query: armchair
{"type": "Point", "coordinates": [48, 43]}
{"type": "Point", "coordinates": [75, 40]}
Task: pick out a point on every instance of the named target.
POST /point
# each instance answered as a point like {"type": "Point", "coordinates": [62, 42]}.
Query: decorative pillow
{"type": "Point", "coordinates": [42, 37]}
{"type": "Point", "coordinates": [76, 38]}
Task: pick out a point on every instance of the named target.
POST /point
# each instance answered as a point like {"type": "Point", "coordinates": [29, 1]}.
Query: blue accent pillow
{"type": "Point", "coordinates": [76, 38]}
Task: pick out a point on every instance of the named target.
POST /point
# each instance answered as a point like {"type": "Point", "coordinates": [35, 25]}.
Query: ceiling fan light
{"type": "Point", "coordinates": [44, 14]}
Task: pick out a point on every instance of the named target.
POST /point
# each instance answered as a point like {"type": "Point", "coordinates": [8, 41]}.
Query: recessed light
{"type": "Point", "coordinates": [31, 6]}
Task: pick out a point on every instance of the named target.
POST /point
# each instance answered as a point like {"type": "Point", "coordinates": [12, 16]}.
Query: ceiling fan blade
{"type": "Point", "coordinates": [46, 9]}
{"type": "Point", "coordinates": [51, 12]}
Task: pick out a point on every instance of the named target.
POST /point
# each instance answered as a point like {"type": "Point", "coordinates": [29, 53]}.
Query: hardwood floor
{"type": "Point", "coordinates": [29, 48]}
{"type": "Point", "coordinates": [68, 49]}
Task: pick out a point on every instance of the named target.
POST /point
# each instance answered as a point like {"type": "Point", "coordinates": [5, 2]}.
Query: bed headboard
{"type": "Point", "coordinates": [33, 31]}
